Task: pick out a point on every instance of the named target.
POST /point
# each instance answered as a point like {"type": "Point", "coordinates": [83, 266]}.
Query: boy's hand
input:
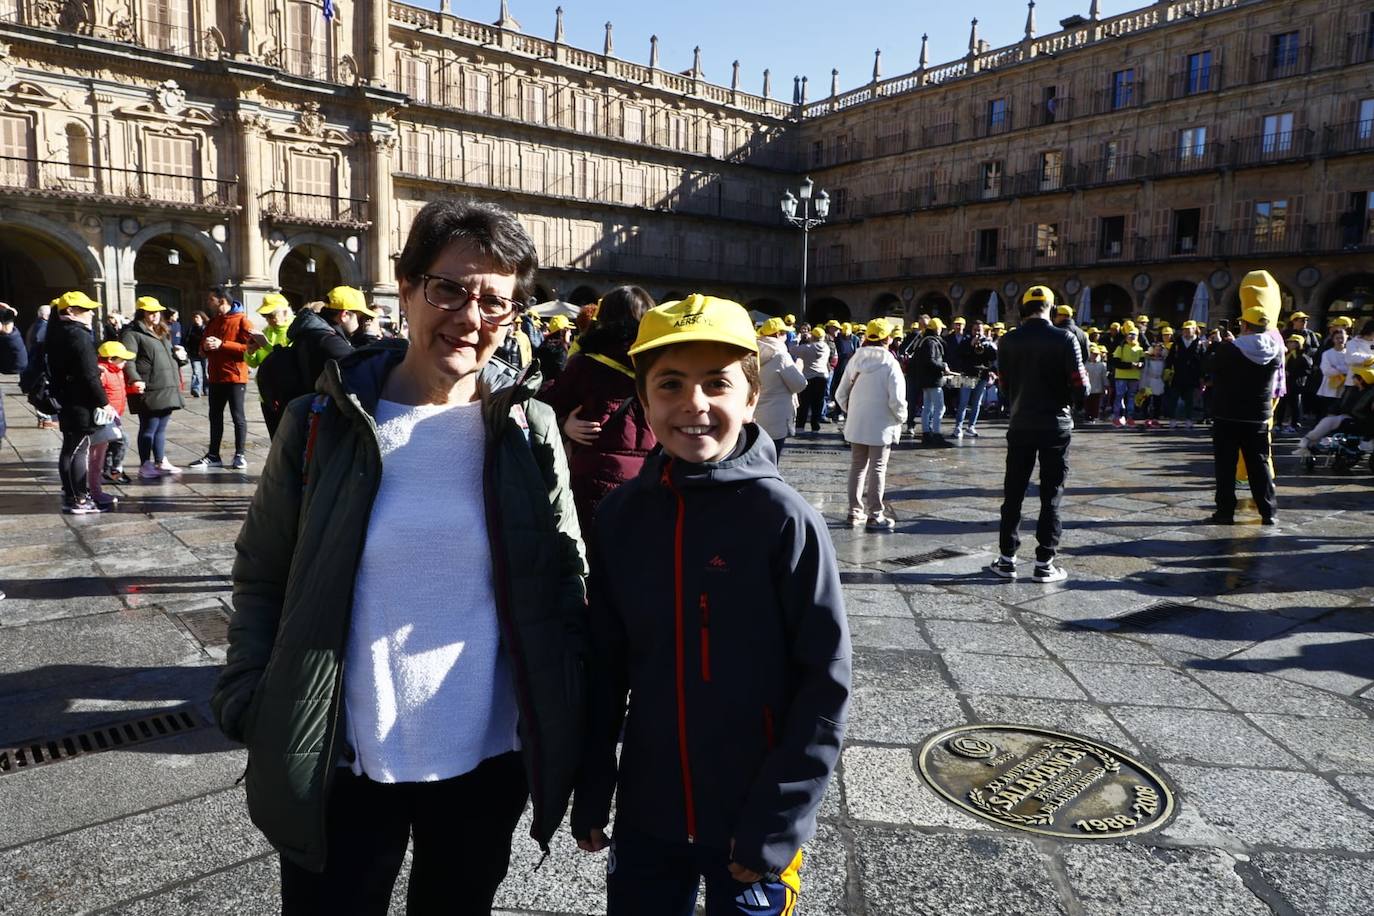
{"type": "Point", "coordinates": [583, 432]}
{"type": "Point", "coordinates": [595, 841]}
{"type": "Point", "coordinates": [139, 387]}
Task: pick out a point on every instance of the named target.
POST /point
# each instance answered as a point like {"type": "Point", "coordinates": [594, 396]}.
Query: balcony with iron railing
{"type": "Point", "coordinates": [1281, 64]}
{"type": "Point", "coordinates": [1107, 170]}
{"type": "Point", "coordinates": [55, 178]}
{"type": "Point", "coordinates": [314, 209]}
{"type": "Point", "coordinates": [1187, 159]}
{"type": "Point", "coordinates": [1119, 98]}
{"type": "Point", "coordinates": [1054, 111]}
{"type": "Point", "coordinates": [1271, 148]}
{"type": "Point", "coordinates": [1359, 48]}
{"type": "Point", "coordinates": [309, 64]}
{"type": "Point", "coordinates": [1350, 137]}
{"type": "Point", "coordinates": [1194, 81]}
{"type": "Point", "coordinates": [993, 125]}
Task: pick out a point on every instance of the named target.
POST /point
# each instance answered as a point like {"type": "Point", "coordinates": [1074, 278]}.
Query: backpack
{"type": "Point", "coordinates": [280, 379]}
{"type": "Point", "coordinates": [36, 383]}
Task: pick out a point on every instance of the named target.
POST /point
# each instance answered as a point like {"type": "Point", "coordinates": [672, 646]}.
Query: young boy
{"type": "Point", "coordinates": [1097, 382]}
{"type": "Point", "coordinates": [112, 357]}
{"type": "Point", "coordinates": [715, 604]}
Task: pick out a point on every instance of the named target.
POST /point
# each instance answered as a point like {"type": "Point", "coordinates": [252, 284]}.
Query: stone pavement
{"type": "Point", "coordinates": [1236, 661]}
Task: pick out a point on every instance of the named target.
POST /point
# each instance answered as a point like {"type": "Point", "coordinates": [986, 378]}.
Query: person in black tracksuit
{"type": "Point", "coordinates": [1042, 371]}
{"type": "Point", "coordinates": [1063, 319]}
{"type": "Point", "coordinates": [1243, 373]}
{"type": "Point", "coordinates": [74, 374]}
{"type": "Point", "coordinates": [734, 650]}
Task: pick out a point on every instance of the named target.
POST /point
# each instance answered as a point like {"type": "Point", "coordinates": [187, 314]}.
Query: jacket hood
{"type": "Point", "coordinates": [358, 379]}
{"type": "Point", "coordinates": [757, 461]}
{"type": "Point", "coordinates": [770, 347]}
{"type": "Point", "coordinates": [869, 357]}
{"type": "Point", "coordinates": [307, 324]}
{"type": "Point", "coordinates": [1259, 348]}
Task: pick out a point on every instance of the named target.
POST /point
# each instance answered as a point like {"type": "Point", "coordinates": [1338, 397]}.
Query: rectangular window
{"type": "Point", "coordinates": [415, 152]}
{"type": "Point", "coordinates": [535, 103]}
{"type": "Point", "coordinates": [632, 123]}
{"type": "Point", "coordinates": [588, 114]}
{"type": "Point", "coordinates": [1192, 144]}
{"type": "Point", "coordinates": [1111, 156]}
{"type": "Point", "coordinates": [1187, 229]}
{"type": "Point", "coordinates": [1047, 240]}
{"type": "Point", "coordinates": [1049, 104]}
{"type": "Point", "coordinates": [998, 116]}
{"type": "Point", "coordinates": [305, 40]}
{"type": "Point", "coordinates": [1271, 222]}
{"type": "Point", "coordinates": [842, 148]}
{"type": "Point", "coordinates": [1365, 126]}
{"type": "Point", "coordinates": [477, 92]}
{"type": "Point", "coordinates": [1123, 88]}
{"type": "Point", "coordinates": [1051, 170]}
{"type": "Point", "coordinates": [987, 247]}
{"type": "Point", "coordinates": [634, 186]}
{"type": "Point", "coordinates": [16, 167]}
{"type": "Point", "coordinates": [677, 132]}
{"type": "Point", "coordinates": [991, 179]}
{"type": "Point", "coordinates": [1357, 222]}
{"type": "Point", "coordinates": [478, 169]}
{"type": "Point", "coordinates": [533, 170]}
{"type": "Point", "coordinates": [312, 186]}
{"type": "Point", "coordinates": [817, 152]}
{"type": "Point", "coordinates": [1111, 236]}
{"type": "Point", "coordinates": [171, 168]}
{"type": "Point", "coordinates": [1199, 77]}
{"type": "Point", "coordinates": [1278, 133]}
{"type": "Point", "coordinates": [839, 201]}
{"type": "Point", "coordinates": [169, 26]}
{"type": "Point", "coordinates": [1284, 53]}
{"type": "Point", "coordinates": [415, 78]}
{"type": "Point", "coordinates": [717, 143]}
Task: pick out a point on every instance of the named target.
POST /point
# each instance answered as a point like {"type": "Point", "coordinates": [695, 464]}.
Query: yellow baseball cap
{"type": "Point", "coordinates": [1128, 327]}
{"type": "Point", "coordinates": [113, 349]}
{"type": "Point", "coordinates": [1114, 326]}
{"type": "Point", "coordinates": [958, 319]}
{"type": "Point", "coordinates": [878, 329]}
{"type": "Point", "coordinates": [1298, 316]}
{"type": "Point", "coordinates": [76, 299]}
{"type": "Point", "coordinates": [149, 304]}
{"type": "Point", "coordinates": [772, 326]}
{"type": "Point", "coordinates": [559, 323]}
{"type": "Point", "coordinates": [847, 328]}
{"type": "Point", "coordinates": [1166, 331]}
{"type": "Point", "coordinates": [817, 333]}
{"type": "Point", "coordinates": [1341, 322]}
{"type": "Point", "coordinates": [935, 323]}
{"type": "Point", "coordinates": [1063, 310]}
{"type": "Point", "coordinates": [1189, 325]}
{"type": "Point", "coordinates": [696, 318]}
{"type": "Point", "coordinates": [787, 319]}
{"type": "Point", "coordinates": [1041, 294]}
{"type": "Point", "coordinates": [999, 326]}
{"type": "Point", "coordinates": [273, 302]}
{"type": "Point", "coordinates": [349, 299]}
{"type": "Point", "coordinates": [832, 323]}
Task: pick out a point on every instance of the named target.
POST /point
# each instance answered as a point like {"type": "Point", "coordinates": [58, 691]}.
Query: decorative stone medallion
{"type": "Point", "coordinates": [1045, 782]}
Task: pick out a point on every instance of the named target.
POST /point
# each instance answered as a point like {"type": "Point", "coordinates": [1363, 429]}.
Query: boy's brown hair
{"type": "Point", "coordinates": [644, 365]}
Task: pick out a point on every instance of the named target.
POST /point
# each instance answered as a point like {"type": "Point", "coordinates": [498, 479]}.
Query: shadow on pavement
{"type": "Point", "coordinates": [99, 586]}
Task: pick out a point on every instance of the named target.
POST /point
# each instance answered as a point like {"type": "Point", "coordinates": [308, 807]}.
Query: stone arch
{"type": "Point", "coordinates": [885, 304]}
{"type": "Point", "coordinates": [976, 306]}
{"type": "Point", "coordinates": [1356, 289]}
{"type": "Point", "coordinates": [77, 246]}
{"type": "Point", "coordinates": [35, 268]}
{"type": "Point", "coordinates": [216, 260]}
{"type": "Point", "coordinates": [1110, 302]}
{"type": "Point", "coordinates": [340, 255]}
{"type": "Point", "coordinates": [767, 306]}
{"type": "Point", "coordinates": [1172, 301]}
{"type": "Point", "coordinates": [933, 303]}
{"type": "Point", "coordinates": [825, 308]}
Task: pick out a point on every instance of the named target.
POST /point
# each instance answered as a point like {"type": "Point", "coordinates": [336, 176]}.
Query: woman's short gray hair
{"type": "Point", "coordinates": [493, 229]}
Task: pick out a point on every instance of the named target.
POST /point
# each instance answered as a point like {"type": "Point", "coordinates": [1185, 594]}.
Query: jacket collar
{"type": "Point", "coordinates": [758, 460]}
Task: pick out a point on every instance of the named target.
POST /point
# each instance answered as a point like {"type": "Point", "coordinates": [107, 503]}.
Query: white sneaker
{"type": "Point", "coordinates": [958, 432]}
{"type": "Point", "coordinates": [167, 467]}
{"type": "Point", "coordinates": [149, 471]}
{"type": "Point", "coordinates": [205, 462]}
{"type": "Point", "coordinates": [240, 463]}
{"type": "Point", "coordinates": [1304, 450]}
{"type": "Point", "coordinates": [1049, 572]}
{"type": "Point", "coordinates": [856, 519]}
{"type": "Point", "coordinates": [971, 431]}
{"type": "Point", "coordinates": [880, 522]}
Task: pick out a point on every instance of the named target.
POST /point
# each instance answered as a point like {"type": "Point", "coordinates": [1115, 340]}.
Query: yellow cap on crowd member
{"type": "Point", "coordinates": [958, 319]}
{"type": "Point", "coordinates": [1114, 326]}
{"type": "Point", "coordinates": [817, 333]}
{"type": "Point", "coordinates": [897, 331]}
{"type": "Point", "coordinates": [789, 319]}
{"type": "Point", "coordinates": [832, 323]}
{"type": "Point", "coordinates": [273, 302]}
{"type": "Point", "coordinates": [1298, 316]}
{"type": "Point", "coordinates": [846, 328]}
{"type": "Point", "coordinates": [1042, 294]}
{"type": "Point", "coordinates": [878, 329]}
{"type": "Point", "coordinates": [1063, 310]}
{"type": "Point", "coordinates": [1166, 331]}
{"type": "Point", "coordinates": [349, 299]}
{"type": "Point", "coordinates": [149, 304]}
{"type": "Point", "coordinates": [1189, 325]}
{"type": "Point", "coordinates": [999, 326]}
{"type": "Point", "coordinates": [935, 323]}
{"type": "Point", "coordinates": [1341, 322]}
{"type": "Point", "coordinates": [559, 323]}
{"type": "Point", "coordinates": [1364, 373]}
{"type": "Point", "coordinates": [56, 302]}
{"type": "Point", "coordinates": [113, 349]}
{"type": "Point", "coordinates": [694, 319]}
{"type": "Point", "coordinates": [1296, 339]}
{"type": "Point", "coordinates": [76, 299]}
{"type": "Point", "coordinates": [1260, 299]}
{"type": "Point", "coordinates": [1128, 327]}
{"type": "Point", "coordinates": [772, 326]}
{"type": "Point", "coordinates": [1143, 320]}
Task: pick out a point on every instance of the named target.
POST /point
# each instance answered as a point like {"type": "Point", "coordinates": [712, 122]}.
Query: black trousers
{"type": "Point", "coordinates": [462, 829]}
{"type": "Point", "coordinates": [230, 393]}
{"type": "Point", "coordinates": [1231, 439]}
{"type": "Point", "coordinates": [72, 465]}
{"type": "Point", "coordinates": [810, 403]}
{"type": "Point", "coordinates": [1024, 448]}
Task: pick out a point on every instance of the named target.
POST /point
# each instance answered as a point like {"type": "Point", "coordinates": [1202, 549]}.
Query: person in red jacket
{"type": "Point", "coordinates": [227, 340]}
{"type": "Point", "coordinates": [594, 399]}
{"type": "Point", "coordinates": [113, 355]}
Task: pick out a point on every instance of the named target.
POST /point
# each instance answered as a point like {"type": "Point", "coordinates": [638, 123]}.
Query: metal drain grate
{"type": "Point", "coordinates": [1153, 615]}
{"type": "Point", "coordinates": [44, 751]}
{"type": "Point", "coordinates": [920, 559]}
{"type": "Point", "coordinates": [210, 628]}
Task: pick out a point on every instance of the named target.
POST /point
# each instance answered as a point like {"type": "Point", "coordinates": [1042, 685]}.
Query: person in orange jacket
{"type": "Point", "coordinates": [227, 340]}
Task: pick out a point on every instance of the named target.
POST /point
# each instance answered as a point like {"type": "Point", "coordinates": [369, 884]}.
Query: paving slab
{"type": "Point", "coordinates": [1342, 662]}
{"type": "Point", "coordinates": [885, 633]}
{"type": "Point", "coordinates": [881, 785]}
{"type": "Point", "coordinates": [1130, 880]}
{"type": "Point", "coordinates": [1201, 736]}
{"type": "Point", "coordinates": [890, 716]}
{"type": "Point", "coordinates": [1339, 745]}
{"type": "Point", "coordinates": [1145, 685]}
{"type": "Point", "coordinates": [1076, 718]}
{"type": "Point", "coordinates": [1319, 885]}
{"type": "Point", "coordinates": [898, 670]}
{"type": "Point", "coordinates": [250, 888]}
{"type": "Point", "coordinates": [1035, 677]}
{"type": "Point", "coordinates": [983, 638]}
{"type": "Point", "coordinates": [1251, 692]}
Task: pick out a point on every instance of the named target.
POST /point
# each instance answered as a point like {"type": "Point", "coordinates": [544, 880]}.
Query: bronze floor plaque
{"type": "Point", "coordinates": [1045, 782]}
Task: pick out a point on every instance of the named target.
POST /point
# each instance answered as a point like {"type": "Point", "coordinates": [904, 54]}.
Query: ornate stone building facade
{"type": "Point", "coordinates": [167, 145]}
{"type": "Point", "coordinates": [1186, 142]}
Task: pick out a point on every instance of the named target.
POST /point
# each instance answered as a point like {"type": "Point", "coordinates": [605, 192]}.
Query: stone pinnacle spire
{"type": "Point", "coordinates": [973, 39]}
{"type": "Point", "coordinates": [1030, 21]}
{"type": "Point", "coordinates": [925, 51]}
{"type": "Point", "coordinates": [767, 84]}
{"type": "Point", "coordinates": [609, 50]}
{"type": "Point", "coordinates": [558, 27]}
{"type": "Point", "coordinates": [835, 82]}
{"type": "Point", "coordinates": [877, 65]}
{"type": "Point", "coordinates": [734, 76]}
{"type": "Point", "coordinates": [653, 52]}
{"type": "Point", "coordinates": [1095, 11]}
{"type": "Point", "coordinates": [696, 62]}
{"type": "Point", "coordinates": [507, 21]}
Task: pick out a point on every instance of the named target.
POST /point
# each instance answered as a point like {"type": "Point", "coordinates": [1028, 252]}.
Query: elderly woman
{"type": "Point", "coordinates": [154, 381]}
{"type": "Point", "coordinates": [873, 396]}
{"type": "Point", "coordinates": [405, 656]}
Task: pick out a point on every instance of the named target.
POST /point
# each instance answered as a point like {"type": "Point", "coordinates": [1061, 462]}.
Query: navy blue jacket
{"type": "Point", "coordinates": [715, 604]}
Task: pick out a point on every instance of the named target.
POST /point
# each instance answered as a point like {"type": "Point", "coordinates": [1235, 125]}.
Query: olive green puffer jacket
{"type": "Point", "coordinates": [281, 688]}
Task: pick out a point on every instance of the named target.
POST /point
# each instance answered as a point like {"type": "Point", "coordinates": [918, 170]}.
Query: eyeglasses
{"type": "Point", "coordinates": [449, 296]}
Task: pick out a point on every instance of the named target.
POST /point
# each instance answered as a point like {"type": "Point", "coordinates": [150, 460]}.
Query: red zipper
{"type": "Point", "coordinates": [689, 804]}
{"type": "Point", "coordinates": [705, 605]}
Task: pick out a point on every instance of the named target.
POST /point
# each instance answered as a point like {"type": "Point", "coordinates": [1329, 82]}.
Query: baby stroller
{"type": "Point", "coordinates": [1339, 452]}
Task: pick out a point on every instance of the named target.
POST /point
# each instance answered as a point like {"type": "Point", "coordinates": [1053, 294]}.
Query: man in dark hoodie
{"type": "Point", "coordinates": [1243, 372]}
{"type": "Point", "coordinates": [319, 335]}
{"type": "Point", "coordinates": [715, 604]}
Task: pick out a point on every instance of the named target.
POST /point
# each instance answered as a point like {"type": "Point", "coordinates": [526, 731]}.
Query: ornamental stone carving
{"type": "Point", "coordinates": [311, 121]}
{"type": "Point", "coordinates": [7, 72]}
{"type": "Point", "coordinates": [170, 97]}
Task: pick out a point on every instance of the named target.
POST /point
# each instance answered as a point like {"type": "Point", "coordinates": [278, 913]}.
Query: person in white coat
{"type": "Point", "coordinates": [872, 395]}
{"type": "Point", "coordinates": [780, 381]}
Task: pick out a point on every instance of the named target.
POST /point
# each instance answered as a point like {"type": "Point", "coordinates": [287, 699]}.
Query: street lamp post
{"type": "Point", "coordinates": [805, 222]}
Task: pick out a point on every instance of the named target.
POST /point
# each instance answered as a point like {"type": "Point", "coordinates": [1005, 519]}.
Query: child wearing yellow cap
{"type": "Point", "coordinates": [723, 617]}
{"type": "Point", "coordinates": [107, 443]}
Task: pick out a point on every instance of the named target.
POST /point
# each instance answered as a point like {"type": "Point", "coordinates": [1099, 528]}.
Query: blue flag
{"type": "Point", "coordinates": [328, 9]}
